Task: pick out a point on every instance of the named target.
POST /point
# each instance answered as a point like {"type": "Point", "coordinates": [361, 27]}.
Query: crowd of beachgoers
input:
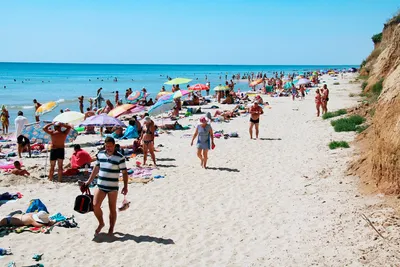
{"type": "Point", "coordinates": [105, 165]}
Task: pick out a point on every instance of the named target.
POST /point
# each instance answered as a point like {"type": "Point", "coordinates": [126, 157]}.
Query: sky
{"type": "Point", "coordinates": [285, 32]}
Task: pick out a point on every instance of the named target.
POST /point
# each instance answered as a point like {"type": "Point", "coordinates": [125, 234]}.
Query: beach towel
{"type": "Point", "coordinates": [36, 205]}
{"type": "Point", "coordinates": [5, 230]}
{"type": "Point", "coordinates": [130, 132]}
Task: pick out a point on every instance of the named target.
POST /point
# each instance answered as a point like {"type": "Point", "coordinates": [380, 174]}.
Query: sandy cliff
{"type": "Point", "coordinates": [380, 144]}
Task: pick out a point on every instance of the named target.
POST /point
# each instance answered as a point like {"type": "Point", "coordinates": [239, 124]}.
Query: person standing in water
{"type": "Point", "coordinates": [57, 152]}
{"type": "Point", "coordinates": [108, 166]}
{"type": "Point", "coordinates": [37, 105]}
{"type": "Point", "coordinates": [99, 98]}
{"type": "Point", "coordinates": [205, 142]}
{"type": "Point", "coordinates": [81, 104]}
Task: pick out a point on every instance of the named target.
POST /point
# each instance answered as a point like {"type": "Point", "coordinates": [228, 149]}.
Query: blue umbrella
{"type": "Point", "coordinates": [34, 132]}
{"type": "Point", "coordinates": [161, 107]}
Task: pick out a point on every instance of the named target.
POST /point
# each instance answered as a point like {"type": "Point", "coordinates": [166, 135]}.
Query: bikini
{"type": "Point", "coordinates": [147, 142]}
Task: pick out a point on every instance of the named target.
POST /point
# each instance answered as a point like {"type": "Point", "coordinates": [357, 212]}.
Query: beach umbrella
{"type": "Point", "coordinates": [46, 108]}
{"type": "Point", "coordinates": [199, 87]}
{"type": "Point", "coordinates": [180, 93]}
{"type": "Point", "coordinates": [303, 81]}
{"type": "Point", "coordinates": [71, 117]}
{"type": "Point", "coordinates": [288, 85]}
{"type": "Point", "coordinates": [161, 107]}
{"type": "Point", "coordinates": [254, 83]}
{"type": "Point", "coordinates": [102, 120]}
{"type": "Point", "coordinates": [120, 110]}
{"type": "Point", "coordinates": [135, 110]}
{"type": "Point", "coordinates": [178, 81]}
{"type": "Point", "coordinates": [221, 88]}
{"type": "Point", "coordinates": [34, 132]}
{"type": "Point", "coordinates": [135, 96]}
{"type": "Point", "coordinates": [160, 94]}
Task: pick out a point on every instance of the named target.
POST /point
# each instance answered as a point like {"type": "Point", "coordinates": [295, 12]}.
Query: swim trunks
{"type": "Point", "coordinates": [22, 140]}
{"type": "Point", "coordinates": [57, 153]}
{"type": "Point", "coordinates": [255, 121]}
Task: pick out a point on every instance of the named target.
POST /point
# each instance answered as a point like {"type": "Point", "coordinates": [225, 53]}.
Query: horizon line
{"type": "Point", "coordinates": [183, 64]}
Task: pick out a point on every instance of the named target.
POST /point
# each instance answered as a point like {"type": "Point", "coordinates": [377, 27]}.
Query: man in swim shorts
{"type": "Point", "coordinates": [109, 164]}
{"type": "Point", "coordinates": [57, 152]}
{"type": "Point", "coordinates": [255, 112]}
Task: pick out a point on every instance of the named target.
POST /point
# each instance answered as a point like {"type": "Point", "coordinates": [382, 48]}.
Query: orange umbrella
{"type": "Point", "coordinates": [254, 83]}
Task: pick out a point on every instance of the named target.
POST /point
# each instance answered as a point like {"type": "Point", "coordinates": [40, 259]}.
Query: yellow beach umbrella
{"type": "Point", "coordinates": [178, 81]}
{"type": "Point", "coordinates": [46, 108]}
{"type": "Point", "coordinates": [120, 110]}
{"type": "Point", "coordinates": [70, 117]}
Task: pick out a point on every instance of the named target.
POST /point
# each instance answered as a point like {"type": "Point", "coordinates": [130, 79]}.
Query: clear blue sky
{"type": "Point", "coordinates": [191, 31]}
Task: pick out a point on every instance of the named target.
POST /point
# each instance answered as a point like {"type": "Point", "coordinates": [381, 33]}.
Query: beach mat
{"type": "Point", "coordinates": [138, 180]}
{"type": "Point", "coordinates": [5, 230]}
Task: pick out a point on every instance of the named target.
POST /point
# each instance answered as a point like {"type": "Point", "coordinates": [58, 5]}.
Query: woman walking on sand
{"type": "Point", "coordinates": [4, 119]}
{"type": "Point", "coordinates": [205, 133]}
{"type": "Point", "coordinates": [318, 101]}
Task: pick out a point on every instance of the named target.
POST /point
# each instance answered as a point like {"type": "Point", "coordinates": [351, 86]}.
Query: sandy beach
{"type": "Point", "coordinates": [284, 200]}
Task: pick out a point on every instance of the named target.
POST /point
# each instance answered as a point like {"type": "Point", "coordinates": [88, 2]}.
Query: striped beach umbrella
{"type": "Point", "coordinates": [46, 108]}
{"type": "Point", "coordinates": [254, 83]}
{"type": "Point", "coordinates": [135, 96]}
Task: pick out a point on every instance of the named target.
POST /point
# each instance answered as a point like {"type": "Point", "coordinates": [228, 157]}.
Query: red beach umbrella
{"type": "Point", "coordinates": [199, 87]}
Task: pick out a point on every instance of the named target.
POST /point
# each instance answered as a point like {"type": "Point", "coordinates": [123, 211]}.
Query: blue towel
{"type": "Point", "coordinates": [130, 132]}
{"type": "Point", "coordinates": [58, 217]}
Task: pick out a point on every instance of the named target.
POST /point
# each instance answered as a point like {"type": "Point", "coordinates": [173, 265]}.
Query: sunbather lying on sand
{"type": "Point", "coordinates": [29, 219]}
{"type": "Point", "coordinates": [18, 170]}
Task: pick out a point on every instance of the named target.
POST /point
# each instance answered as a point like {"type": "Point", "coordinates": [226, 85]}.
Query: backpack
{"type": "Point", "coordinates": [84, 203]}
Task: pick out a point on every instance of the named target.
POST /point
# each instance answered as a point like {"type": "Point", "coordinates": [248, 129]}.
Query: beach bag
{"type": "Point", "coordinates": [36, 205]}
{"type": "Point", "coordinates": [84, 202]}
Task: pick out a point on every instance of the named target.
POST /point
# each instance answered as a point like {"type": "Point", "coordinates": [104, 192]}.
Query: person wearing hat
{"type": "Point", "coordinates": [147, 138]}
{"type": "Point", "coordinates": [57, 152]}
{"type": "Point", "coordinates": [17, 218]}
{"type": "Point", "coordinates": [205, 134]}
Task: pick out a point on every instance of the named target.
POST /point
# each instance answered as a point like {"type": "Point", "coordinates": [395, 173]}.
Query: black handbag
{"type": "Point", "coordinates": [84, 202]}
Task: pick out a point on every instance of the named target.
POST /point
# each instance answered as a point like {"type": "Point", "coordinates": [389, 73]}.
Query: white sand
{"type": "Point", "coordinates": [272, 202]}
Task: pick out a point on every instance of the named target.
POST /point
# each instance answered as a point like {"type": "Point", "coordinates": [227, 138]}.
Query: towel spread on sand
{"type": "Point", "coordinates": [5, 230]}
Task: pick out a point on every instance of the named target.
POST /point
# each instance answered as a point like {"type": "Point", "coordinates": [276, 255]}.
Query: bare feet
{"type": "Point", "coordinates": [101, 225]}
{"type": "Point", "coordinates": [110, 232]}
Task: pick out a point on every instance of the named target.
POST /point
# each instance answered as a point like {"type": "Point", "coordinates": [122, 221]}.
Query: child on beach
{"type": "Point", "coordinates": [18, 170]}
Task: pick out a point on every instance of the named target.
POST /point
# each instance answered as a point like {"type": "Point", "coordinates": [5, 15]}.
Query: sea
{"type": "Point", "coordinates": [63, 83]}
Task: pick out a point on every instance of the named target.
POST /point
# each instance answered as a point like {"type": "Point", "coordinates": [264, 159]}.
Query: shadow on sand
{"type": "Point", "coordinates": [165, 159]}
{"type": "Point", "coordinates": [166, 166]}
{"type": "Point", "coordinates": [104, 238]}
{"type": "Point", "coordinates": [271, 139]}
{"type": "Point", "coordinates": [223, 169]}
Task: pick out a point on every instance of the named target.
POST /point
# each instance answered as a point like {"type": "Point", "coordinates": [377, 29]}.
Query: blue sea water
{"type": "Point", "coordinates": [20, 83]}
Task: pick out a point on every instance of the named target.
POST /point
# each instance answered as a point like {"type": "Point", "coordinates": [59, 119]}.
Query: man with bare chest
{"type": "Point", "coordinates": [57, 152]}
{"type": "Point", "coordinates": [255, 112]}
